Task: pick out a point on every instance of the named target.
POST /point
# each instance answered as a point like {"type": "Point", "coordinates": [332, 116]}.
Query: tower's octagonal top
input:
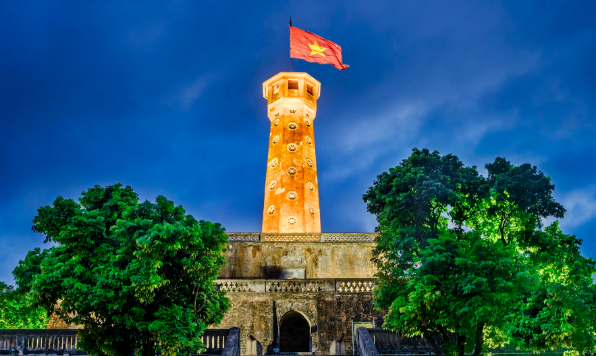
{"type": "Point", "coordinates": [291, 89]}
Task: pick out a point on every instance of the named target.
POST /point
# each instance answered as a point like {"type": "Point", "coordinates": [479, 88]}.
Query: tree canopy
{"type": "Point", "coordinates": [465, 261]}
{"type": "Point", "coordinates": [136, 276]}
{"type": "Point", "coordinates": [17, 310]}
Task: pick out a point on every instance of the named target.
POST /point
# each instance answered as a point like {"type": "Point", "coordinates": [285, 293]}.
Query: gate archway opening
{"type": "Point", "coordinates": [294, 333]}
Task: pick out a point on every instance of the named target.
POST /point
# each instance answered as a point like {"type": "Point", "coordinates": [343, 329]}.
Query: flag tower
{"type": "Point", "coordinates": [291, 187]}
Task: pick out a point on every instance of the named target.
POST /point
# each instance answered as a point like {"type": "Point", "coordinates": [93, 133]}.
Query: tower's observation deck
{"type": "Point", "coordinates": [291, 187]}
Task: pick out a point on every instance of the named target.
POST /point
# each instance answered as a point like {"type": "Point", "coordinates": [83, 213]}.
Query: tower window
{"type": "Point", "coordinates": [292, 84]}
{"type": "Point", "coordinates": [275, 88]}
{"type": "Point", "coordinates": [309, 89]}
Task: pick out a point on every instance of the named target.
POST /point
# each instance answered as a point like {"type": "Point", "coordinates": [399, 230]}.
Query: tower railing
{"type": "Point", "coordinates": [302, 237]}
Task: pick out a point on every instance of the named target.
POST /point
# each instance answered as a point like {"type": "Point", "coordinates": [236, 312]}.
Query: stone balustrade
{"type": "Point", "coordinates": [301, 237]}
{"type": "Point", "coordinates": [51, 341]}
{"type": "Point", "coordinates": [65, 341]}
{"type": "Point", "coordinates": [347, 285]}
{"type": "Point", "coordinates": [215, 340]}
{"type": "Point", "coordinates": [388, 342]}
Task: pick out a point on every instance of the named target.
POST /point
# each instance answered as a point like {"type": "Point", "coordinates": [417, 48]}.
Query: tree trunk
{"type": "Point", "coordinates": [461, 344]}
{"type": "Point", "coordinates": [432, 340]}
{"type": "Point", "coordinates": [148, 348]}
{"type": "Point", "coordinates": [479, 339]}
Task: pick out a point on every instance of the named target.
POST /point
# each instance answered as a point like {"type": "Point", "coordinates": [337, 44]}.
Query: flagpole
{"type": "Point", "coordinates": [290, 46]}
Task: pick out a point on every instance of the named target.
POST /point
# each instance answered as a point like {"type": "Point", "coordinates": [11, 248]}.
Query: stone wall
{"type": "Point", "coordinates": [256, 260]}
{"type": "Point", "coordinates": [260, 316]}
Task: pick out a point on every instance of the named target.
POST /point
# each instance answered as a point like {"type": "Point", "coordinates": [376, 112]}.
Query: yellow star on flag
{"type": "Point", "coordinates": [316, 49]}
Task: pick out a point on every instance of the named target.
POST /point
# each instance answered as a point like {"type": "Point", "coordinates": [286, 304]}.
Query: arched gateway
{"type": "Point", "coordinates": [294, 333]}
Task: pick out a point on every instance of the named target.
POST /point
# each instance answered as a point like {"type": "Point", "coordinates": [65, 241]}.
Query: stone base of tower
{"type": "Point", "coordinates": [274, 320]}
{"type": "Point", "coordinates": [331, 287]}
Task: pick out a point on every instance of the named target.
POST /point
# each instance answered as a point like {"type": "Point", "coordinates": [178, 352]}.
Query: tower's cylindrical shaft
{"type": "Point", "coordinates": [291, 187]}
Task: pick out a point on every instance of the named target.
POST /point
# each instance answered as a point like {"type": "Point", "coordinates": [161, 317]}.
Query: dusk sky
{"type": "Point", "coordinates": [166, 97]}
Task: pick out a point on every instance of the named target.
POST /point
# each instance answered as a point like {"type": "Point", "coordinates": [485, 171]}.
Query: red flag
{"type": "Point", "coordinates": [313, 48]}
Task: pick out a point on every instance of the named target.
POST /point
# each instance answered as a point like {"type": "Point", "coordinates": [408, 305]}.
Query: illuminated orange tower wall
{"type": "Point", "coordinates": [291, 188]}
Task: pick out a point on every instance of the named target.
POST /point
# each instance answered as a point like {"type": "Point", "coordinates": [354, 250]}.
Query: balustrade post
{"type": "Point", "coordinates": [232, 344]}
{"type": "Point", "coordinates": [21, 343]}
{"type": "Point", "coordinates": [365, 345]}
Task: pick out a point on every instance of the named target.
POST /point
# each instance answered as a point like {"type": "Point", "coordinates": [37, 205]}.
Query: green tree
{"type": "Point", "coordinates": [136, 276]}
{"type": "Point", "coordinates": [17, 310]}
{"type": "Point", "coordinates": [465, 262]}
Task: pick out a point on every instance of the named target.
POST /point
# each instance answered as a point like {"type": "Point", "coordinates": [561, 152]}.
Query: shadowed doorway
{"type": "Point", "coordinates": [294, 333]}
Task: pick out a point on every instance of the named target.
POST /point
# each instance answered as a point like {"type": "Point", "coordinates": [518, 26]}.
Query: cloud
{"type": "Point", "coordinates": [192, 92]}
{"type": "Point", "coordinates": [396, 123]}
{"type": "Point", "coordinates": [363, 141]}
{"type": "Point", "coordinates": [580, 205]}
{"type": "Point", "coordinates": [186, 94]}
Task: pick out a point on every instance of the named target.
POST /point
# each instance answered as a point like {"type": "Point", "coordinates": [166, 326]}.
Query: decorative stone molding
{"type": "Point", "coordinates": [272, 185]}
{"type": "Point", "coordinates": [276, 115]}
{"type": "Point", "coordinates": [354, 286]}
{"type": "Point", "coordinates": [310, 186]}
{"type": "Point", "coordinates": [292, 147]}
{"type": "Point", "coordinates": [309, 162]}
{"type": "Point", "coordinates": [301, 237]}
{"type": "Point", "coordinates": [239, 286]}
{"type": "Point", "coordinates": [292, 125]}
{"type": "Point", "coordinates": [348, 237]}
{"type": "Point", "coordinates": [243, 237]}
{"type": "Point", "coordinates": [275, 139]}
{"type": "Point", "coordinates": [293, 111]}
{"type": "Point", "coordinates": [276, 122]}
{"type": "Point", "coordinates": [311, 209]}
{"type": "Point", "coordinates": [303, 286]}
{"type": "Point", "coordinates": [273, 163]}
{"type": "Point", "coordinates": [339, 285]}
{"type": "Point", "coordinates": [290, 237]}
{"type": "Point", "coordinates": [292, 195]}
{"type": "Point", "coordinates": [271, 209]}
{"type": "Point", "coordinates": [308, 140]}
{"type": "Point", "coordinates": [307, 122]}
{"type": "Point", "coordinates": [292, 171]}
{"type": "Point", "coordinates": [291, 220]}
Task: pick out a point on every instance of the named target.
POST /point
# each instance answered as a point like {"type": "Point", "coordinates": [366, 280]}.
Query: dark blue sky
{"type": "Point", "coordinates": [166, 97]}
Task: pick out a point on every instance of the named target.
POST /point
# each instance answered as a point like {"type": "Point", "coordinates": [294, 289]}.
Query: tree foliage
{"type": "Point", "coordinates": [135, 275]}
{"type": "Point", "coordinates": [465, 261]}
{"type": "Point", "coordinates": [17, 310]}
